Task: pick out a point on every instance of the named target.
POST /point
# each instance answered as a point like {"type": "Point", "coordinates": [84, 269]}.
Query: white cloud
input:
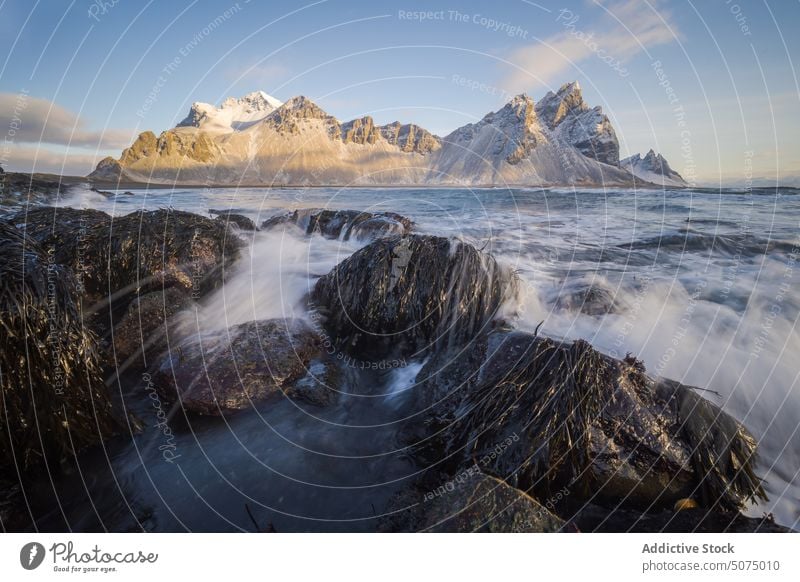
{"type": "Point", "coordinates": [624, 29]}
{"type": "Point", "coordinates": [26, 119]}
{"type": "Point", "coordinates": [35, 159]}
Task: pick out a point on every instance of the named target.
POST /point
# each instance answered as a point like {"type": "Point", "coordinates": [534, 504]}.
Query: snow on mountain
{"type": "Point", "coordinates": [653, 168]}
{"type": "Point", "coordinates": [233, 115]}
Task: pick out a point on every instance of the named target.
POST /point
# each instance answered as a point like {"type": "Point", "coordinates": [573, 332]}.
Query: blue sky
{"type": "Point", "coordinates": [81, 78]}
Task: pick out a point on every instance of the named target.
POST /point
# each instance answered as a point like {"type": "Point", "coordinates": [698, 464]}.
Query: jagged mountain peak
{"type": "Point", "coordinates": [255, 101]}
{"type": "Point", "coordinates": [653, 167]}
{"type": "Point", "coordinates": [234, 114]}
{"type": "Point", "coordinates": [299, 102]}
{"type": "Point", "coordinates": [556, 107]}
{"type": "Point", "coordinates": [570, 87]}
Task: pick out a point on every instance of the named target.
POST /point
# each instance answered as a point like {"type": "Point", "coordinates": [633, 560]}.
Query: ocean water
{"type": "Point", "coordinates": [704, 286]}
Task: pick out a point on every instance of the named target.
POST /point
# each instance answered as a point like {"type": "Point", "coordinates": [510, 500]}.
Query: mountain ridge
{"type": "Point", "coordinates": [259, 140]}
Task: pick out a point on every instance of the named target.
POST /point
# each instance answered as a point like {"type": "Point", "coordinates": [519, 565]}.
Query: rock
{"type": "Point", "coordinates": [14, 516]}
{"type": "Point", "coordinates": [320, 385]}
{"type": "Point", "coordinates": [593, 518]}
{"type": "Point", "coordinates": [149, 250]}
{"type": "Point", "coordinates": [54, 402]}
{"type": "Point", "coordinates": [598, 426]}
{"type": "Point", "coordinates": [143, 330]}
{"type": "Point", "coordinates": [233, 369]}
{"type": "Point", "coordinates": [64, 231]}
{"type": "Point", "coordinates": [409, 293]}
{"type": "Point", "coordinates": [117, 260]}
{"type": "Point", "coordinates": [343, 224]}
{"type": "Point", "coordinates": [471, 502]}
{"type": "Point", "coordinates": [21, 190]}
{"type": "Point", "coordinates": [590, 299]}
{"type": "Point", "coordinates": [238, 221]}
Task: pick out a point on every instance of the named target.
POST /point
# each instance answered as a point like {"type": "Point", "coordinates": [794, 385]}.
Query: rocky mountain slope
{"type": "Point", "coordinates": [257, 140]}
{"type": "Point", "coordinates": [653, 168]}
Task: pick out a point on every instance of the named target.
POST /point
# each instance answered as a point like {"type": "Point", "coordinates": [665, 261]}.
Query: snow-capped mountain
{"type": "Point", "coordinates": [234, 114]}
{"type": "Point", "coordinates": [512, 146]}
{"type": "Point", "coordinates": [653, 168]}
{"type": "Point", "coordinates": [257, 140]}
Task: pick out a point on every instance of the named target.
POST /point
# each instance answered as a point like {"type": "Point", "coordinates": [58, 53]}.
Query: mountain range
{"type": "Point", "coordinates": [259, 140]}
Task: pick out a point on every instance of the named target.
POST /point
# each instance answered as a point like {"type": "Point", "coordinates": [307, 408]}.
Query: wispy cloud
{"type": "Point", "coordinates": [622, 29]}
{"type": "Point", "coordinates": [36, 159]}
{"type": "Point", "coordinates": [38, 120]}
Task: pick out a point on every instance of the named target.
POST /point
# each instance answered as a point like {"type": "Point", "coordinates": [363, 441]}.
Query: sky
{"type": "Point", "coordinates": [711, 84]}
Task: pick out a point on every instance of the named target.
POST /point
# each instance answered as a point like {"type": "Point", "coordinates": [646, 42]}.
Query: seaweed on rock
{"type": "Point", "coordinates": [583, 420]}
{"type": "Point", "coordinates": [565, 387]}
{"type": "Point", "coordinates": [412, 293]}
{"type": "Point", "coordinates": [54, 401]}
{"type": "Point", "coordinates": [115, 258]}
{"type": "Point", "coordinates": [723, 453]}
{"type": "Point", "coordinates": [149, 250]}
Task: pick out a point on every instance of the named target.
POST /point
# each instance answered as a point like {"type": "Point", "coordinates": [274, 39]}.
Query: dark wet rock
{"type": "Point", "coordinates": [409, 293]}
{"type": "Point", "coordinates": [144, 329]}
{"type": "Point", "coordinates": [320, 384]}
{"type": "Point", "coordinates": [233, 369]}
{"type": "Point", "coordinates": [14, 515]}
{"type": "Point", "coordinates": [343, 224]}
{"type": "Point", "coordinates": [64, 231]}
{"type": "Point", "coordinates": [590, 299]}
{"type": "Point", "coordinates": [594, 518]}
{"type": "Point", "coordinates": [239, 221]}
{"type": "Point", "coordinates": [19, 190]}
{"type": "Point", "coordinates": [162, 248]}
{"type": "Point", "coordinates": [54, 401]}
{"type": "Point", "coordinates": [470, 502]}
{"type": "Point", "coordinates": [133, 254]}
{"type": "Point", "coordinates": [595, 425]}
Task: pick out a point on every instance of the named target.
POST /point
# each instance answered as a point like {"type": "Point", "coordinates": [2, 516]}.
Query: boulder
{"type": "Point", "coordinates": [582, 420]}
{"type": "Point", "coordinates": [237, 221]}
{"type": "Point", "coordinates": [343, 224]}
{"type": "Point", "coordinates": [65, 231]}
{"type": "Point", "coordinates": [54, 401]}
{"type": "Point", "coordinates": [470, 502]}
{"type": "Point", "coordinates": [594, 518]}
{"type": "Point", "coordinates": [144, 329]}
{"type": "Point", "coordinates": [118, 258]}
{"type": "Point", "coordinates": [229, 370]}
{"type": "Point", "coordinates": [590, 299]}
{"type": "Point", "coordinates": [411, 293]}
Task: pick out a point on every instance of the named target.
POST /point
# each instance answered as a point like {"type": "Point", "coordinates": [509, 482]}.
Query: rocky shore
{"type": "Point", "coordinates": [512, 431]}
